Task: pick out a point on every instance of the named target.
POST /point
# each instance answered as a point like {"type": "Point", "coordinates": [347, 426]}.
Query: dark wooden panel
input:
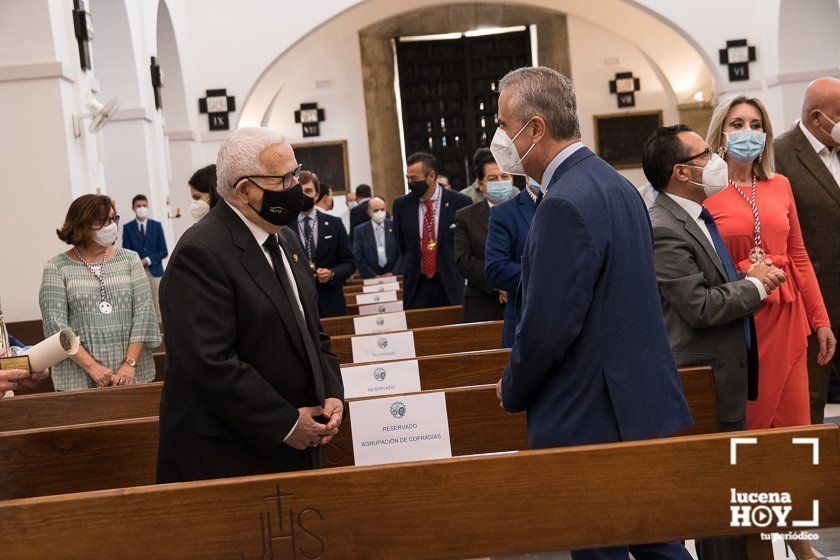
{"type": "Point", "coordinates": [534, 501]}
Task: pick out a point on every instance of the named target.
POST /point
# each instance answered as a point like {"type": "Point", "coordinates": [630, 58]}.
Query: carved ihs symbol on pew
{"type": "Point", "coordinates": [283, 535]}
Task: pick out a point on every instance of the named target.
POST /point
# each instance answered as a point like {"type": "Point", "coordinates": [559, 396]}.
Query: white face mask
{"type": "Point", "coordinates": [142, 212]}
{"type": "Point", "coordinates": [505, 153]}
{"type": "Point", "coordinates": [835, 130]}
{"type": "Point", "coordinates": [715, 175]}
{"type": "Point", "coordinates": [105, 236]}
{"type": "Point", "coordinates": [199, 208]}
{"type": "Point", "coordinates": [378, 216]}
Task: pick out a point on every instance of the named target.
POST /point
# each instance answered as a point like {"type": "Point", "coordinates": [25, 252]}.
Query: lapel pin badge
{"type": "Point", "coordinates": [294, 257]}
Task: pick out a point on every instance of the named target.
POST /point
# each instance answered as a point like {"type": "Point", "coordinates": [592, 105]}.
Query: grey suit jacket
{"type": "Point", "coordinates": [702, 311]}
{"type": "Point", "coordinates": [817, 197]}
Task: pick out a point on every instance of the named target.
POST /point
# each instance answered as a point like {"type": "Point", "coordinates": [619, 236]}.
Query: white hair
{"type": "Point", "coordinates": [239, 155]}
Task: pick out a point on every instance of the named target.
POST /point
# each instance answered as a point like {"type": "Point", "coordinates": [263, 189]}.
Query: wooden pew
{"type": "Point", "coordinates": [415, 319]}
{"type": "Point", "coordinates": [28, 332]}
{"type": "Point", "coordinates": [534, 501]}
{"type": "Point", "coordinates": [361, 281]}
{"type": "Point", "coordinates": [350, 299]}
{"type": "Point", "coordinates": [69, 459]}
{"type": "Point", "coordinates": [359, 288]}
{"type": "Point", "coordinates": [447, 339]}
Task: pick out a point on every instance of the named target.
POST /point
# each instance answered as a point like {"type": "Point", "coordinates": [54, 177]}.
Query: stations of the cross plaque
{"type": "Point", "coordinates": [218, 105]}
{"type": "Point", "coordinates": [624, 87]}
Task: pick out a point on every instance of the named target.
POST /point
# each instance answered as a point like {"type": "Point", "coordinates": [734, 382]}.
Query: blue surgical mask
{"type": "Point", "coordinates": [352, 204]}
{"type": "Point", "coordinates": [745, 145]}
{"type": "Point", "coordinates": [534, 185]}
{"type": "Point", "coordinates": [499, 191]}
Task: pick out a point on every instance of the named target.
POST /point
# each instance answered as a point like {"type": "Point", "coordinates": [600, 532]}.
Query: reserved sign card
{"type": "Point", "coordinates": [389, 378]}
{"type": "Point", "coordinates": [378, 347]}
{"type": "Point", "coordinates": [400, 429]}
{"type": "Point", "coordinates": [380, 323]}
{"type": "Point", "coordinates": [392, 287]}
{"type": "Point", "coordinates": [379, 308]}
{"type": "Point", "coordinates": [375, 281]}
{"type": "Point", "coordinates": [376, 298]}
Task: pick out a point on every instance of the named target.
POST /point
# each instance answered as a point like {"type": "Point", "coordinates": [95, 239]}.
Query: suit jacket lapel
{"type": "Point", "coordinates": [254, 261]}
{"type": "Point", "coordinates": [525, 206]}
{"type": "Point", "coordinates": [693, 229]}
{"type": "Point", "coordinates": [411, 218]}
{"type": "Point", "coordinates": [390, 242]}
{"type": "Point", "coordinates": [812, 162]}
{"type": "Point", "coordinates": [444, 219]}
{"type": "Point", "coordinates": [483, 216]}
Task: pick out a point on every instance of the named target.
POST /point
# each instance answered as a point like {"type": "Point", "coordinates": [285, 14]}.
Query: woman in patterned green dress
{"type": "Point", "coordinates": [103, 294]}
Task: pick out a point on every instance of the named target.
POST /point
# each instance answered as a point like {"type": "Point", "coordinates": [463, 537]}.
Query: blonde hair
{"type": "Point", "coordinates": [763, 166]}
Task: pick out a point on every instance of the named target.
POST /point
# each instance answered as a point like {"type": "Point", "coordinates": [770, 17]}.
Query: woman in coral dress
{"type": "Point", "coordinates": [757, 218]}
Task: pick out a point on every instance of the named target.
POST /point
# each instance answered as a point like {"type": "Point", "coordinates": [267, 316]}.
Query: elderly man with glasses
{"type": "Point", "coordinates": [251, 385]}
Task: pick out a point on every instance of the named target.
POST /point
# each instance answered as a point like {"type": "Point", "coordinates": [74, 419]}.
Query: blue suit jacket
{"type": "Point", "coordinates": [407, 228]}
{"type": "Point", "coordinates": [591, 361]}
{"type": "Point", "coordinates": [154, 247]}
{"type": "Point", "coordinates": [366, 256]}
{"type": "Point", "coordinates": [332, 251]}
{"type": "Point", "coordinates": [506, 235]}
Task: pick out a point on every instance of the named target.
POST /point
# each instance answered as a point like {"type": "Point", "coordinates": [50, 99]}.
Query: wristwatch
{"type": "Point", "coordinates": [131, 361]}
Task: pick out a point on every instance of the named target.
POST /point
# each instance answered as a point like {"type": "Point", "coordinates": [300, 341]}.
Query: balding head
{"type": "Point", "coordinates": [821, 108]}
{"type": "Point", "coordinates": [375, 205]}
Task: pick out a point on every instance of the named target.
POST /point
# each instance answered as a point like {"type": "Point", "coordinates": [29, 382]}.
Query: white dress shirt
{"type": "Point", "coordinates": [829, 156]}
{"type": "Point", "coordinates": [260, 235]}
{"type": "Point", "coordinates": [555, 163]}
{"type": "Point", "coordinates": [421, 211]}
{"type": "Point", "coordinates": [693, 209]}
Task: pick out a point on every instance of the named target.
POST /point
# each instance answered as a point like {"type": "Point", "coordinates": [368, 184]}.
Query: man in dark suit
{"type": "Point", "coordinates": [251, 386]}
{"type": "Point", "coordinates": [482, 302]}
{"type": "Point", "coordinates": [706, 305]}
{"type": "Point", "coordinates": [809, 156]}
{"type": "Point", "coordinates": [360, 214]}
{"type": "Point", "coordinates": [506, 234]}
{"type": "Point", "coordinates": [327, 247]}
{"type": "Point", "coordinates": [424, 220]}
{"type": "Point", "coordinates": [145, 237]}
{"type": "Point", "coordinates": [375, 244]}
{"type": "Point", "coordinates": [591, 362]}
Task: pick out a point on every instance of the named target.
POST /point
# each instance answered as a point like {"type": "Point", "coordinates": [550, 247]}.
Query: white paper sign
{"type": "Point", "coordinates": [389, 378]}
{"type": "Point", "coordinates": [380, 288]}
{"type": "Point", "coordinates": [378, 347]}
{"type": "Point", "coordinates": [400, 429]}
{"type": "Point", "coordinates": [379, 308]}
{"type": "Point", "coordinates": [362, 299]}
{"type": "Point", "coordinates": [380, 323]}
{"type": "Point", "coordinates": [374, 281]}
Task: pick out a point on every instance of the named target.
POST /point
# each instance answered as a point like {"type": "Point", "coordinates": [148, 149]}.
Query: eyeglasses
{"type": "Point", "coordinates": [275, 182]}
{"type": "Point", "coordinates": [707, 153]}
{"type": "Point", "coordinates": [102, 222]}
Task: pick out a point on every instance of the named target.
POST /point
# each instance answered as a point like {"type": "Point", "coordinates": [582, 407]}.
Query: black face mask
{"type": "Point", "coordinates": [280, 207]}
{"type": "Point", "coordinates": [308, 203]}
{"type": "Point", "coordinates": [418, 188]}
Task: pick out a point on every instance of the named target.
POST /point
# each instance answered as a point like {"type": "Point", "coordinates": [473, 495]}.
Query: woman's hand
{"type": "Point", "coordinates": [102, 375]}
{"type": "Point", "coordinates": [125, 375]}
{"type": "Point", "coordinates": [827, 345]}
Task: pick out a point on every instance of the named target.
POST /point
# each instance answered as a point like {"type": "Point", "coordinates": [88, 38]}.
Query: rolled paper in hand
{"type": "Point", "coordinates": [53, 350]}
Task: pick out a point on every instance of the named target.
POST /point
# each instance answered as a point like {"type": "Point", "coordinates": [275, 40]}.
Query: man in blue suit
{"type": "Point", "coordinates": [327, 245]}
{"type": "Point", "coordinates": [424, 221]}
{"type": "Point", "coordinates": [375, 243]}
{"type": "Point", "coordinates": [590, 362]}
{"type": "Point", "coordinates": [506, 235]}
{"type": "Point", "coordinates": [145, 237]}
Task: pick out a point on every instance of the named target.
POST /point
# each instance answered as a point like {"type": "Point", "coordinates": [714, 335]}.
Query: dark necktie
{"type": "Point", "coordinates": [308, 239]}
{"type": "Point", "coordinates": [143, 233]}
{"type": "Point", "coordinates": [725, 259]}
{"type": "Point", "coordinates": [539, 199]}
{"type": "Point", "coordinates": [305, 333]}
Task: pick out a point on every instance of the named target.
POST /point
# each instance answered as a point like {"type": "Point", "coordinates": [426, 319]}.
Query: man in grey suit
{"type": "Point", "coordinates": [706, 306]}
{"type": "Point", "coordinates": [809, 156]}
